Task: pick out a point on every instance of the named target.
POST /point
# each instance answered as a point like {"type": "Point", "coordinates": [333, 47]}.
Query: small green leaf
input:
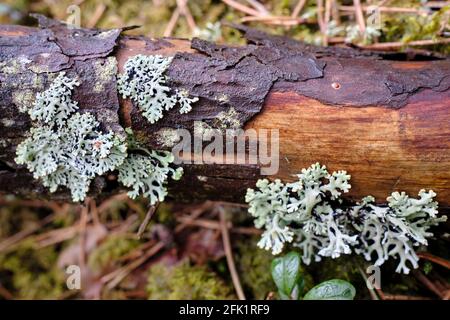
{"type": "Point", "coordinates": [286, 274]}
{"type": "Point", "coordinates": [332, 290]}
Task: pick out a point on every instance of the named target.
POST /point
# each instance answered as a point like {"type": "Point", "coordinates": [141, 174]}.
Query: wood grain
{"type": "Point", "coordinates": [383, 149]}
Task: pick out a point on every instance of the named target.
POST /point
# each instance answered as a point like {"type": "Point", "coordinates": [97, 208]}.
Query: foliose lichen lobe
{"type": "Point", "coordinates": [64, 147]}
{"type": "Point", "coordinates": [145, 82]}
{"type": "Point", "coordinates": [307, 213]}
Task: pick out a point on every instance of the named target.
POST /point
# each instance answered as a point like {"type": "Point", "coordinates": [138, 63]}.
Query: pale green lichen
{"type": "Point", "coordinates": [8, 122]}
{"type": "Point", "coordinates": [145, 82]}
{"type": "Point", "coordinates": [167, 137]}
{"type": "Point", "coordinates": [147, 175]}
{"type": "Point", "coordinates": [146, 172]}
{"type": "Point", "coordinates": [222, 97]}
{"type": "Point", "coordinates": [12, 66]}
{"type": "Point", "coordinates": [66, 148]}
{"type": "Point", "coordinates": [227, 120]}
{"type": "Point", "coordinates": [54, 105]}
{"type": "Point", "coordinates": [23, 99]}
{"type": "Point", "coordinates": [307, 213]}
{"type": "Point", "coordinates": [104, 72]}
{"type": "Point", "coordinates": [71, 154]}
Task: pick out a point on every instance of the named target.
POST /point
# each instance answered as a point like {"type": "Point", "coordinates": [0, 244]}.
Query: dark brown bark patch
{"type": "Point", "coordinates": [353, 77]}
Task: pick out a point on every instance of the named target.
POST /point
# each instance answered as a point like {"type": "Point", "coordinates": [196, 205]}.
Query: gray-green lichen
{"type": "Point", "coordinates": [306, 213]}
{"type": "Point", "coordinates": [104, 72]}
{"type": "Point", "coordinates": [167, 137]}
{"type": "Point", "coordinates": [227, 120]}
{"type": "Point", "coordinates": [145, 83]}
{"type": "Point", "coordinates": [67, 148]}
{"type": "Point", "coordinates": [147, 173]}
{"type": "Point", "coordinates": [23, 99]}
{"type": "Point", "coordinates": [184, 281]}
{"type": "Point", "coordinates": [64, 147]}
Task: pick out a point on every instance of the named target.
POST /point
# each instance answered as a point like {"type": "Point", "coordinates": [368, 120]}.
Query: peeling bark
{"type": "Point", "coordinates": [383, 120]}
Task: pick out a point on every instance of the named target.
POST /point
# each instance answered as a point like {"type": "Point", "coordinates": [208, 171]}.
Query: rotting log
{"type": "Point", "coordinates": [383, 117]}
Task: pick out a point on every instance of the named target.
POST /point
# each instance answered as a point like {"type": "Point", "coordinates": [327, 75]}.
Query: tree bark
{"type": "Point", "coordinates": [382, 117]}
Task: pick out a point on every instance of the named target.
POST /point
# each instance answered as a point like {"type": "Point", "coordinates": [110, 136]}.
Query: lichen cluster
{"type": "Point", "coordinates": [147, 174]}
{"type": "Point", "coordinates": [145, 83]}
{"type": "Point", "coordinates": [308, 214]}
{"type": "Point", "coordinates": [67, 148]}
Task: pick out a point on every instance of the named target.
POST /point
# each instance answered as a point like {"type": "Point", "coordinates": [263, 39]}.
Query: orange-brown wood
{"type": "Point", "coordinates": [383, 149]}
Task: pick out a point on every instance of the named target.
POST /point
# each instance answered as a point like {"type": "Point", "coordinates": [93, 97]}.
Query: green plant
{"type": "Point", "coordinates": [110, 250]}
{"type": "Point", "coordinates": [334, 289]}
{"type": "Point", "coordinates": [287, 275]}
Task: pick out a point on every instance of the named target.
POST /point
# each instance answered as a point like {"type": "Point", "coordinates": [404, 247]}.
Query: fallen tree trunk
{"type": "Point", "coordinates": [383, 118]}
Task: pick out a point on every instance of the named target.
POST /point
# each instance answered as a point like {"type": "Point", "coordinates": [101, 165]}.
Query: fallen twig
{"type": "Point", "coordinates": [229, 254]}
{"type": "Point", "coordinates": [98, 13]}
{"type": "Point", "coordinates": [440, 261]}
{"type": "Point", "coordinates": [84, 216]}
{"type": "Point", "coordinates": [8, 242]}
{"type": "Point", "coordinates": [211, 224]}
{"type": "Point", "coordinates": [184, 10]}
{"type": "Point", "coordinates": [239, 6]}
{"type": "Point", "coordinates": [359, 15]}
{"type": "Point", "coordinates": [427, 283]}
{"type": "Point", "coordinates": [5, 293]}
{"type": "Point", "coordinates": [382, 9]}
{"type": "Point", "coordinates": [397, 45]}
{"type": "Point", "coordinates": [372, 292]}
{"type": "Point", "coordinates": [259, 6]}
{"type": "Point", "coordinates": [403, 297]}
{"type": "Point", "coordinates": [146, 220]}
{"type": "Point", "coordinates": [172, 22]}
{"type": "Point", "coordinates": [115, 277]}
{"type": "Point", "coordinates": [298, 8]}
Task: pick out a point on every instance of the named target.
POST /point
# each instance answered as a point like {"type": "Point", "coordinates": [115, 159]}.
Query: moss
{"type": "Point", "coordinates": [187, 282]}
{"type": "Point", "coordinates": [110, 250]}
{"type": "Point", "coordinates": [14, 218]}
{"type": "Point", "coordinates": [346, 268]}
{"type": "Point", "coordinates": [254, 269]}
{"type": "Point", "coordinates": [164, 215]}
{"type": "Point", "coordinates": [105, 71]}
{"type": "Point", "coordinates": [31, 273]}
